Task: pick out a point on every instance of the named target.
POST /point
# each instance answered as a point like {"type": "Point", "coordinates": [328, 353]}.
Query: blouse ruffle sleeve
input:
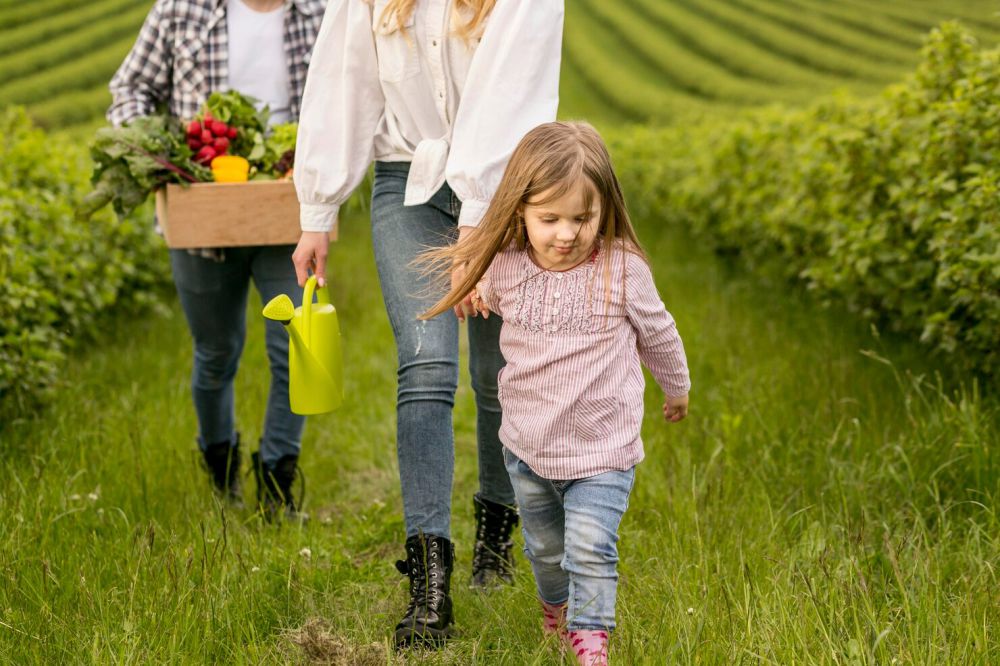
{"type": "Point", "coordinates": [342, 106]}
{"type": "Point", "coordinates": [512, 87]}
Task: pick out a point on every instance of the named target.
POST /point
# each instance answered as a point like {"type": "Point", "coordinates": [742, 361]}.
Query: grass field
{"type": "Point", "coordinates": [830, 500]}
{"type": "Point", "coordinates": [827, 501]}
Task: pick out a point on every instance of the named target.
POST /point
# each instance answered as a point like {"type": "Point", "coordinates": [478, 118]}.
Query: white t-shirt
{"type": "Point", "coordinates": [257, 63]}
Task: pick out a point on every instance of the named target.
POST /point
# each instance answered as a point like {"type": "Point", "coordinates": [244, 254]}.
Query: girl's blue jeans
{"type": "Point", "coordinates": [214, 295]}
{"type": "Point", "coordinates": [427, 355]}
{"type": "Point", "coordinates": [570, 537]}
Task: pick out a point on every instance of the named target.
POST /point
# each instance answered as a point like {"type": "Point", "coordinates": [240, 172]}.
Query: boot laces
{"type": "Point", "coordinates": [493, 544]}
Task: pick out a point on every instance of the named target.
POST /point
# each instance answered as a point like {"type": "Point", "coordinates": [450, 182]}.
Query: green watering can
{"type": "Point", "coordinates": [315, 362]}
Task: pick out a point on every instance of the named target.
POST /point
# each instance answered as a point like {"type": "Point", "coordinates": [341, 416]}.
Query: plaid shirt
{"type": "Point", "coordinates": [181, 56]}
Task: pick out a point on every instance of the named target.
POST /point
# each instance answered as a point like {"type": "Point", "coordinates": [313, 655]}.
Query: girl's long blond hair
{"type": "Point", "coordinates": [552, 158]}
{"type": "Point", "coordinates": [478, 10]}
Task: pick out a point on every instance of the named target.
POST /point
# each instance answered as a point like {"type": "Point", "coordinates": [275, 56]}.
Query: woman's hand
{"type": "Point", "coordinates": [675, 409]}
{"type": "Point", "coordinates": [310, 254]}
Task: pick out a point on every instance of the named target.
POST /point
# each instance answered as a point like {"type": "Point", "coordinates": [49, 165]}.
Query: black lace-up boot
{"type": "Point", "coordinates": [428, 619]}
{"type": "Point", "coordinates": [493, 558]}
{"type": "Point", "coordinates": [222, 460]}
{"type": "Point", "coordinates": [274, 487]}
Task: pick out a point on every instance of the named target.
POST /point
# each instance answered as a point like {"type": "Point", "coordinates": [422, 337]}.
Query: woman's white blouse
{"type": "Point", "coordinates": [453, 108]}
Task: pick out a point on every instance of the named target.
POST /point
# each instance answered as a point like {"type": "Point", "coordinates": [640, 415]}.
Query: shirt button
{"type": "Point", "coordinates": [555, 310]}
{"type": "Point", "coordinates": [434, 43]}
{"type": "Point", "coordinates": [557, 295]}
{"type": "Point", "coordinates": [558, 276]}
{"type": "Point", "coordinates": [441, 95]}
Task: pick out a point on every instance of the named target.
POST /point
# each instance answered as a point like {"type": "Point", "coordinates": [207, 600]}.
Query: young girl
{"type": "Point", "coordinates": [557, 258]}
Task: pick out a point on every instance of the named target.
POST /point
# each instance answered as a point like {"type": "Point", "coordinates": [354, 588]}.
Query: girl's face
{"type": "Point", "coordinates": [562, 231]}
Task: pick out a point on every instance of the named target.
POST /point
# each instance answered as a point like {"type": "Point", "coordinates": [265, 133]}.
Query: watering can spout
{"type": "Point", "coordinates": [315, 364]}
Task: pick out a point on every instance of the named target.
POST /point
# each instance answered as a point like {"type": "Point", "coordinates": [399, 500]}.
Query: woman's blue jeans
{"type": "Point", "coordinates": [427, 354]}
{"type": "Point", "coordinates": [571, 539]}
{"type": "Point", "coordinates": [213, 295]}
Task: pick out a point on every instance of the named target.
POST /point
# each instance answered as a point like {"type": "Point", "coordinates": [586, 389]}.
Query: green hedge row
{"type": "Point", "coordinates": [58, 276]}
{"type": "Point", "coordinates": [891, 206]}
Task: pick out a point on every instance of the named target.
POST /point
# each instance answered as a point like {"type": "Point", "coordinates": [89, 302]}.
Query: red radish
{"type": "Point", "coordinates": [194, 143]}
{"type": "Point", "coordinates": [206, 137]}
{"type": "Point", "coordinates": [205, 155]}
{"type": "Point", "coordinates": [221, 144]}
{"type": "Point", "coordinates": [194, 128]}
{"type": "Point", "coordinates": [232, 133]}
{"type": "Point", "coordinates": [219, 128]}
{"type": "Point", "coordinates": [208, 117]}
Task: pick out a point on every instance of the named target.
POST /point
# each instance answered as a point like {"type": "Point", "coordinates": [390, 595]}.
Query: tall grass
{"type": "Point", "coordinates": [831, 499]}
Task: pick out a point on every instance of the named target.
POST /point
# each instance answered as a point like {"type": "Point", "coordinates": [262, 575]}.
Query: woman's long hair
{"type": "Point", "coordinates": [552, 158]}
{"type": "Point", "coordinates": [478, 11]}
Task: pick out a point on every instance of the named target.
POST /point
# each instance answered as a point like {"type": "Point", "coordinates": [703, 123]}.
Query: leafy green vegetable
{"type": "Point", "coordinates": [133, 160]}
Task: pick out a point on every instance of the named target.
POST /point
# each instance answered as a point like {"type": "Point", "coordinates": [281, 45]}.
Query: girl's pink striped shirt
{"type": "Point", "coordinates": [572, 389]}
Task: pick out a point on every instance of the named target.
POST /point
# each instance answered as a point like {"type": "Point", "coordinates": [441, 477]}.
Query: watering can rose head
{"type": "Point", "coordinates": [315, 360]}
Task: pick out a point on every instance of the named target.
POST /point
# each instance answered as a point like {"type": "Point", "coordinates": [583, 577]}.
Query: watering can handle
{"type": "Point", "coordinates": [322, 295]}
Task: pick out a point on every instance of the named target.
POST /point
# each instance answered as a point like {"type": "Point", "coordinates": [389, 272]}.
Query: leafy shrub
{"type": "Point", "coordinates": [57, 276]}
{"type": "Point", "coordinates": [891, 206]}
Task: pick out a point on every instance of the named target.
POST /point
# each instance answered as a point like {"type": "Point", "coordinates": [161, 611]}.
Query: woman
{"type": "Point", "coordinates": [438, 93]}
{"type": "Point", "coordinates": [186, 50]}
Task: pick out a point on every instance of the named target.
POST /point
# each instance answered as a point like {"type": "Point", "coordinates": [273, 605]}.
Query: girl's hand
{"type": "Point", "coordinates": [480, 304]}
{"type": "Point", "coordinates": [310, 254]}
{"type": "Point", "coordinates": [675, 409]}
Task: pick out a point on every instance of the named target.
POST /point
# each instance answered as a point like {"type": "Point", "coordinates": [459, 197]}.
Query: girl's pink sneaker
{"type": "Point", "coordinates": [554, 619]}
{"type": "Point", "coordinates": [589, 647]}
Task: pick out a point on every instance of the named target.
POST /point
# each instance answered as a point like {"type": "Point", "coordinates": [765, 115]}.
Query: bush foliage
{"type": "Point", "coordinates": [58, 276]}
{"type": "Point", "coordinates": [890, 206]}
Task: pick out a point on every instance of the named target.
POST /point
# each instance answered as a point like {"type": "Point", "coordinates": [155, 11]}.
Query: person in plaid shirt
{"type": "Point", "coordinates": [186, 50]}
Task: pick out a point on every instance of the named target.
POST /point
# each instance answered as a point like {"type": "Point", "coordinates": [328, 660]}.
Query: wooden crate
{"type": "Point", "coordinates": [263, 212]}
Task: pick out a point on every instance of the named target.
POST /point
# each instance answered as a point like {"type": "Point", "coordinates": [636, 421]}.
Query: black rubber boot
{"type": "Point", "coordinates": [274, 487]}
{"type": "Point", "coordinates": [493, 557]}
{"type": "Point", "coordinates": [222, 460]}
{"type": "Point", "coordinates": [428, 619]}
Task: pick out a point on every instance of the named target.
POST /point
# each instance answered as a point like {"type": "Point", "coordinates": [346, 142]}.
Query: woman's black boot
{"type": "Point", "coordinates": [222, 460]}
{"type": "Point", "coordinates": [493, 558]}
{"type": "Point", "coordinates": [274, 487]}
{"type": "Point", "coordinates": [428, 619]}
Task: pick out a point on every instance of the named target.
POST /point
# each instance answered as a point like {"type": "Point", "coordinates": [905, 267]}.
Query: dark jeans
{"type": "Point", "coordinates": [214, 297]}
{"type": "Point", "coordinates": [428, 358]}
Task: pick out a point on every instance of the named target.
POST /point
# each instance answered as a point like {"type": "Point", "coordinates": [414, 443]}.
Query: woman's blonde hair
{"type": "Point", "coordinates": [551, 159]}
{"type": "Point", "coordinates": [478, 10]}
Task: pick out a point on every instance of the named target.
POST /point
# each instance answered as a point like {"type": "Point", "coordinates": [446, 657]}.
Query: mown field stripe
{"type": "Point", "coordinates": [906, 37]}
{"type": "Point", "coordinates": [69, 47]}
{"type": "Point", "coordinates": [789, 44]}
{"type": "Point", "coordinates": [686, 69]}
{"type": "Point", "coordinates": [25, 37]}
{"type": "Point", "coordinates": [72, 109]}
{"type": "Point", "coordinates": [982, 18]}
{"type": "Point", "coordinates": [732, 51]}
{"type": "Point", "coordinates": [609, 65]}
{"type": "Point", "coordinates": [580, 100]}
{"type": "Point", "coordinates": [25, 12]}
{"type": "Point", "coordinates": [79, 74]}
{"type": "Point", "coordinates": [853, 45]}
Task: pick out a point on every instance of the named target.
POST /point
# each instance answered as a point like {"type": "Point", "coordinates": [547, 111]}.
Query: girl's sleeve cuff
{"type": "Point", "coordinates": [318, 217]}
{"type": "Point", "coordinates": [472, 213]}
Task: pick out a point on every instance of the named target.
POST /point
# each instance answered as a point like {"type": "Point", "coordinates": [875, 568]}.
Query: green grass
{"type": "Point", "coordinates": [829, 500]}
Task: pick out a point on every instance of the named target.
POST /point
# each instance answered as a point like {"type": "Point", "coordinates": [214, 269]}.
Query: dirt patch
{"type": "Point", "coordinates": [320, 645]}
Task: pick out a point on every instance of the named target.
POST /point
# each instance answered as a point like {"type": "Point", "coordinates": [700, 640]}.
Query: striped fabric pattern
{"type": "Point", "coordinates": [574, 341]}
